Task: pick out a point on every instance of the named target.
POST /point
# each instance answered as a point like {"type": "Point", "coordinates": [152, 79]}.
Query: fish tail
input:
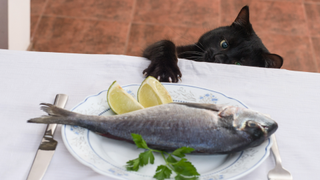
{"type": "Point", "coordinates": [55, 115]}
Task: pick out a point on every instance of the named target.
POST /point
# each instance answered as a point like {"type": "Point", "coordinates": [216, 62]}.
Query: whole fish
{"type": "Point", "coordinates": [208, 128]}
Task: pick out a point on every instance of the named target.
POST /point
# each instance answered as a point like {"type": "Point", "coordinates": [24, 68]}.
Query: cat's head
{"type": "Point", "coordinates": [237, 44]}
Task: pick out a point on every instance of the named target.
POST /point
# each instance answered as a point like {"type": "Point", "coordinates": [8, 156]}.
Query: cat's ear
{"type": "Point", "coordinates": [272, 60]}
{"type": "Point", "coordinates": [242, 19]}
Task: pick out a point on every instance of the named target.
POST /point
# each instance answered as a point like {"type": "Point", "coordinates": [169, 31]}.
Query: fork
{"type": "Point", "coordinates": [278, 173]}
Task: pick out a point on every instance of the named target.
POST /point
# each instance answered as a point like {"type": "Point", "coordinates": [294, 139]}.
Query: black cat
{"type": "Point", "coordinates": [235, 44]}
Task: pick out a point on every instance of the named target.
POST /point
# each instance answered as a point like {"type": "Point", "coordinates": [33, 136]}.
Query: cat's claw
{"type": "Point", "coordinates": [164, 77]}
{"type": "Point", "coordinates": [171, 74]}
{"type": "Point", "coordinates": [179, 78]}
{"type": "Point", "coordinates": [164, 61]}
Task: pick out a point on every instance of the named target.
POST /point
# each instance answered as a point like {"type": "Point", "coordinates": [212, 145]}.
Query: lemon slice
{"type": "Point", "coordinates": [120, 101]}
{"type": "Point", "coordinates": [151, 93]}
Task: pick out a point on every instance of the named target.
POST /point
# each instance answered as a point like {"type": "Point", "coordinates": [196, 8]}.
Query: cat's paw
{"type": "Point", "coordinates": [164, 61]}
{"type": "Point", "coordinates": [163, 73]}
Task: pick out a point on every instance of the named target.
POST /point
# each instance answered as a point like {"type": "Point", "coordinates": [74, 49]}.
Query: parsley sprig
{"type": "Point", "coordinates": [175, 161]}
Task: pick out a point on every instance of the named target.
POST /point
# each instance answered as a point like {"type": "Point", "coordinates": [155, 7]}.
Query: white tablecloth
{"type": "Point", "coordinates": [29, 78]}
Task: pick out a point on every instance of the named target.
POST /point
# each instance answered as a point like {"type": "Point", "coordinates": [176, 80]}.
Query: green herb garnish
{"type": "Point", "coordinates": [181, 166]}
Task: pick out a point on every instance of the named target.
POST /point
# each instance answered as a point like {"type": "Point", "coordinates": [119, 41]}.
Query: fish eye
{"type": "Point", "coordinates": [224, 44]}
{"type": "Point", "coordinates": [251, 124]}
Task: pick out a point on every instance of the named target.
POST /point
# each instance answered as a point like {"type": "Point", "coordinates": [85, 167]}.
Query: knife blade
{"type": "Point", "coordinates": [47, 146]}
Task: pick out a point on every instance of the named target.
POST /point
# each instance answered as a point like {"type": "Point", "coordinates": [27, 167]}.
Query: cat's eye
{"type": "Point", "coordinates": [224, 44]}
{"type": "Point", "coordinates": [237, 63]}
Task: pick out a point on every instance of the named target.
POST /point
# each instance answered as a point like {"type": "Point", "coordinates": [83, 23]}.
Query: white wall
{"type": "Point", "coordinates": [14, 24]}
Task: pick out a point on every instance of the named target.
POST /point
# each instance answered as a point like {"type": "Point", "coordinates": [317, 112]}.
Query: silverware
{"type": "Point", "coordinates": [47, 147]}
{"type": "Point", "coordinates": [278, 173]}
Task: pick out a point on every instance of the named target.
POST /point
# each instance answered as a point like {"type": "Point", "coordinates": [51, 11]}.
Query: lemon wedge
{"type": "Point", "coordinates": [151, 93]}
{"type": "Point", "coordinates": [120, 101]}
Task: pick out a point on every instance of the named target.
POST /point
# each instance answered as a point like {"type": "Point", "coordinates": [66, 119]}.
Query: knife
{"type": "Point", "coordinates": [47, 146]}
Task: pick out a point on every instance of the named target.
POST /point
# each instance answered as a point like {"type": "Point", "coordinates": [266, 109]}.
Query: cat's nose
{"type": "Point", "coordinates": [220, 58]}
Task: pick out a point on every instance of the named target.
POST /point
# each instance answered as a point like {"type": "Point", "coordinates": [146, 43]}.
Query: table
{"type": "Point", "coordinates": [29, 78]}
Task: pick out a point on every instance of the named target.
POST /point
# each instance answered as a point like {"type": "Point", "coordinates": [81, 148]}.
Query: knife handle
{"type": "Point", "coordinates": [60, 101]}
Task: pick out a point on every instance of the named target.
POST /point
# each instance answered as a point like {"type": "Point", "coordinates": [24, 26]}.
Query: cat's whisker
{"type": "Point", "coordinates": [197, 58]}
{"type": "Point", "coordinates": [192, 52]}
{"type": "Point", "coordinates": [199, 47]}
{"type": "Point", "coordinates": [201, 44]}
{"type": "Point", "coordinates": [192, 57]}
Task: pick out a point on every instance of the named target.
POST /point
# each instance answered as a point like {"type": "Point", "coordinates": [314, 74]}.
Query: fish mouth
{"type": "Point", "coordinates": [270, 129]}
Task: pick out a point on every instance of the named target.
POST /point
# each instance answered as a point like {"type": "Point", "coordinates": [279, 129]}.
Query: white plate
{"type": "Point", "coordinates": [109, 157]}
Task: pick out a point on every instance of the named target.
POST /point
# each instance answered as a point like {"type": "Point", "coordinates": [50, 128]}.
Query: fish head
{"type": "Point", "coordinates": [259, 126]}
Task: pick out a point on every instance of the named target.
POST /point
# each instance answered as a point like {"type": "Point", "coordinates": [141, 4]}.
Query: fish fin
{"type": "Point", "coordinates": [213, 107]}
{"type": "Point", "coordinates": [55, 115]}
{"type": "Point", "coordinates": [230, 111]}
{"type": "Point", "coordinates": [108, 135]}
{"type": "Point", "coordinates": [43, 119]}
